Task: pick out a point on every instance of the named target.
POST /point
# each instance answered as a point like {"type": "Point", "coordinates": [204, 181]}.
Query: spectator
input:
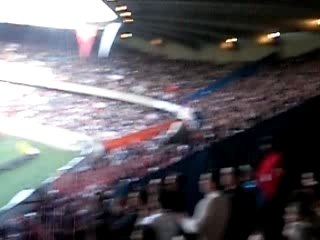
{"type": "Point", "coordinates": [250, 185]}
{"type": "Point", "coordinates": [300, 218]}
{"type": "Point", "coordinates": [241, 218]}
{"type": "Point", "coordinates": [211, 213]}
{"type": "Point", "coordinates": [309, 183]}
{"type": "Point", "coordinates": [124, 218]}
{"type": "Point", "coordinates": [270, 173]}
{"type": "Point", "coordinates": [143, 203]}
{"type": "Point", "coordinates": [163, 224]}
{"type": "Point", "coordinates": [175, 183]}
{"type": "Point", "coordinates": [254, 194]}
{"type": "Point", "coordinates": [153, 194]}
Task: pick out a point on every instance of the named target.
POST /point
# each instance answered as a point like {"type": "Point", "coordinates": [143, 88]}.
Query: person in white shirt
{"type": "Point", "coordinates": [162, 224]}
{"type": "Point", "coordinates": [211, 212]}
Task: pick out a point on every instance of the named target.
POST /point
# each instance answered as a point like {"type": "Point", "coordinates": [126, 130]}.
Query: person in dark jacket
{"type": "Point", "coordinates": [175, 183]}
{"type": "Point", "coordinates": [241, 217]}
{"type": "Point", "coordinates": [123, 218]}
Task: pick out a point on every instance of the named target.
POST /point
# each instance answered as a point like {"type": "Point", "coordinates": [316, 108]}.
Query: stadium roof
{"type": "Point", "coordinates": [195, 22]}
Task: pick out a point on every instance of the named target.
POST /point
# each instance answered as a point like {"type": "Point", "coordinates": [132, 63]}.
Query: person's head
{"type": "Point", "coordinates": [174, 181]}
{"type": "Point", "coordinates": [121, 194]}
{"type": "Point", "coordinates": [308, 180]}
{"type": "Point", "coordinates": [229, 177]}
{"type": "Point", "coordinates": [170, 181]}
{"type": "Point", "coordinates": [133, 200]}
{"type": "Point", "coordinates": [153, 186]}
{"type": "Point", "coordinates": [291, 213]}
{"type": "Point", "coordinates": [246, 173]}
{"type": "Point", "coordinates": [153, 189]}
{"type": "Point", "coordinates": [300, 207]}
{"type": "Point", "coordinates": [143, 198]}
{"type": "Point", "coordinates": [299, 211]}
{"type": "Point", "coordinates": [165, 199]}
{"type": "Point", "coordinates": [208, 182]}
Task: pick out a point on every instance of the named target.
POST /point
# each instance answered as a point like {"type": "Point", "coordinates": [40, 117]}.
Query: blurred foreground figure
{"type": "Point", "coordinates": [256, 236]}
{"type": "Point", "coordinates": [270, 173]}
{"type": "Point", "coordinates": [175, 184]}
{"type": "Point", "coordinates": [254, 194]}
{"type": "Point", "coordinates": [242, 206]}
{"type": "Point", "coordinates": [301, 220]}
{"type": "Point", "coordinates": [211, 213]}
{"type": "Point", "coordinates": [123, 218]}
{"type": "Point", "coordinates": [249, 184]}
{"type": "Point", "coordinates": [309, 184]}
{"type": "Point", "coordinates": [162, 224]}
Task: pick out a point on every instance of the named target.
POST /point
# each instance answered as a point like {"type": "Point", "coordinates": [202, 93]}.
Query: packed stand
{"type": "Point", "coordinates": [234, 108]}
{"type": "Point", "coordinates": [88, 115]}
{"type": "Point", "coordinates": [123, 70]}
{"type": "Point", "coordinates": [229, 110]}
{"type": "Point", "coordinates": [134, 161]}
{"type": "Point", "coordinates": [233, 207]}
{"type": "Point", "coordinates": [274, 89]}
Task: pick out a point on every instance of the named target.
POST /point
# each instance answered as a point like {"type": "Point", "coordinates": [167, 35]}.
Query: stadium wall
{"type": "Point", "coordinates": [290, 45]}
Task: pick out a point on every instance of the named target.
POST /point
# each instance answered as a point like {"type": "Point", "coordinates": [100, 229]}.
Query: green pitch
{"type": "Point", "coordinates": [31, 173]}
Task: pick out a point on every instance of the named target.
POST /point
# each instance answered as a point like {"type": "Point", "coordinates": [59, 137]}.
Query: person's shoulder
{"type": "Point", "coordinates": [166, 217]}
{"type": "Point", "coordinates": [150, 219]}
{"type": "Point", "coordinates": [214, 198]}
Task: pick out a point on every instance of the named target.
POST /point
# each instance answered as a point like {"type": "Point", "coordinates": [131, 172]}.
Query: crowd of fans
{"type": "Point", "coordinates": [96, 213]}
{"type": "Point", "coordinates": [124, 71]}
{"type": "Point", "coordinates": [88, 115]}
{"type": "Point", "coordinates": [231, 109]}
{"type": "Point", "coordinates": [273, 90]}
{"type": "Point", "coordinates": [233, 207]}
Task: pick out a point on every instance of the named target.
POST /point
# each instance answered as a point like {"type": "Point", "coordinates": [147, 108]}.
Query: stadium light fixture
{"type": "Point", "coordinates": [128, 20]}
{"type": "Point", "coordinates": [273, 35]}
{"type": "Point", "coordinates": [232, 40]}
{"type": "Point", "coordinates": [311, 24]}
{"type": "Point", "coordinates": [264, 39]}
{"type": "Point", "coordinates": [125, 35]}
{"type": "Point", "coordinates": [121, 8]}
{"type": "Point", "coordinates": [156, 42]}
{"type": "Point", "coordinates": [125, 14]}
{"type": "Point", "coordinates": [227, 46]}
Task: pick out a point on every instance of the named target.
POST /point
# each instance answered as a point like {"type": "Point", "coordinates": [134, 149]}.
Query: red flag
{"type": "Point", "coordinates": [86, 37]}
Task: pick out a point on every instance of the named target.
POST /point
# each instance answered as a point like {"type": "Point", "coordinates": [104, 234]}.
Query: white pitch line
{"type": "Point", "coordinates": [52, 136]}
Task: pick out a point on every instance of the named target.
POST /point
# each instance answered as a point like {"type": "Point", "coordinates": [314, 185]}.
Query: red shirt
{"type": "Point", "coordinates": [269, 174]}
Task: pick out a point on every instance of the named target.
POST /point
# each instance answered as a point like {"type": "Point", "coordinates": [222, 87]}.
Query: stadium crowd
{"type": "Point", "coordinates": [123, 71]}
{"type": "Point", "coordinates": [234, 206]}
{"type": "Point", "coordinates": [229, 110]}
{"type": "Point", "coordinates": [272, 90]}
{"type": "Point", "coordinates": [234, 108]}
{"type": "Point", "coordinates": [89, 115]}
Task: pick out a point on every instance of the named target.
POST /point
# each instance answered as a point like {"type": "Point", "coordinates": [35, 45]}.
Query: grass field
{"type": "Point", "coordinates": [32, 173]}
